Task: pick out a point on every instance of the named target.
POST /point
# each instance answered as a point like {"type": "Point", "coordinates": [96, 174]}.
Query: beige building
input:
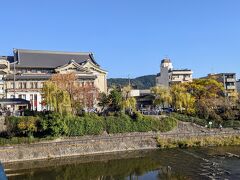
{"type": "Point", "coordinates": [169, 76]}
{"type": "Point", "coordinates": [23, 74]}
{"type": "Point", "coordinates": [229, 82]}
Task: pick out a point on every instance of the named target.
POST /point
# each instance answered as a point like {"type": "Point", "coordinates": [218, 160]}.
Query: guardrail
{"type": "Point", "coordinates": [134, 136]}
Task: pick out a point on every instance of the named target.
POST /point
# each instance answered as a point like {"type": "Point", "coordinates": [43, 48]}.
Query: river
{"type": "Point", "coordinates": [194, 163]}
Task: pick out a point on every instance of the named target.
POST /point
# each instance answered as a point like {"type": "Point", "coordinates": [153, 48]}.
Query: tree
{"type": "Point", "coordinates": [189, 103]}
{"type": "Point", "coordinates": [128, 102]}
{"type": "Point", "coordinates": [205, 88]}
{"type": "Point", "coordinates": [177, 92]}
{"type": "Point", "coordinates": [103, 101]}
{"type": "Point", "coordinates": [82, 94]}
{"type": "Point", "coordinates": [162, 96]}
{"type": "Point", "coordinates": [56, 98]}
{"type": "Point", "coordinates": [115, 100]}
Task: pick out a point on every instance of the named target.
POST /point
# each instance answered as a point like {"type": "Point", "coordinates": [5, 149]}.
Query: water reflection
{"type": "Point", "coordinates": [168, 164]}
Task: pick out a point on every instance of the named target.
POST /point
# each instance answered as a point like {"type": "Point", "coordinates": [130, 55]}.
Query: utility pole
{"type": "Point", "coordinates": [129, 81]}
{"type": "Point", "coordinates": [14, 79]}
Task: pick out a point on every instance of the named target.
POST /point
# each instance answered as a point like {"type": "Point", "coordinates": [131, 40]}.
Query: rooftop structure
{"type": "Point", "coordinates": [169, 76]}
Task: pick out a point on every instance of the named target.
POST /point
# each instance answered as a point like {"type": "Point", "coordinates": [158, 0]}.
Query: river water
{"type": "Point", "coordinates": [199, 163]}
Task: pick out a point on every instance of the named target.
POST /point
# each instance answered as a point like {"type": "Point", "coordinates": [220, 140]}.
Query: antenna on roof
{"type": "Point", "coordinates": [129, 81]}
{"type": "Point", "coordinates": [212, 70]}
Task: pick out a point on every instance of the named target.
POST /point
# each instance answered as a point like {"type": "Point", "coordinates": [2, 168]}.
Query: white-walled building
{"type": "Point", "coordinates": [169, 76]}
{"type": "Point", "coordinates": [23, 74]}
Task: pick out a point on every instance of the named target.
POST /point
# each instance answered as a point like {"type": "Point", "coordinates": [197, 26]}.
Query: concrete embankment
{"type": "Point", "coordinates": [77, 146]}
{"type": "Point", "coordinates": [93, 145]}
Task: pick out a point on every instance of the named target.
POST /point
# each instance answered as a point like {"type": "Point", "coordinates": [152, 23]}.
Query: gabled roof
{"type": "Point", "coordinates": [49, 59]}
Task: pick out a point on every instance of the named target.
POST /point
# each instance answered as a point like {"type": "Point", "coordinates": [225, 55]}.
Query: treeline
{"type": "Point", "coordinates": [202, 98]}
{"type": "Point", "coordinates": [143, 82]}
{"type": "Point", "coordinates": [55, 125]}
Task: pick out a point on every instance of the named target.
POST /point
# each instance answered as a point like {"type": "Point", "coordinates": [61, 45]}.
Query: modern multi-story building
{"type": "Point", "coordinates": [169, 76]}
{"type": "Point", "coordinates": [229, 82]}
{"type": "Point", "coordinates": [23, 74]}
{"type": "Point", "coordinates": [238, 85]}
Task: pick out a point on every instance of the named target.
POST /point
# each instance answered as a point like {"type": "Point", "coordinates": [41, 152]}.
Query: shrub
{"type": "Point", "coordinates": [54, 125]}
{"type": "Point", "coordinates": [185, 118]}
{"type": "Point", "coordinates": [11, 126]}
{"type": "Point", "coordinates": [118, 124]}
{"type": "Point", "coordinates": [27, 125]}
{"type": "Point", "coordinates": [93, 124]}
{"type": "Point", "coordinates": [75, 126]}
{"type": "Point", "coordinates": [231, 123]}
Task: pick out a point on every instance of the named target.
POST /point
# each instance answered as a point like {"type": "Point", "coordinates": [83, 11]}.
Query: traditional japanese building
{"type": "Point", "coordinates": [23, 74]}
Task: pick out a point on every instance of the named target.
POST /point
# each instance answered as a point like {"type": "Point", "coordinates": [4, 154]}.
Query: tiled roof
{"type": "Point", "coordinates": [49, 59]}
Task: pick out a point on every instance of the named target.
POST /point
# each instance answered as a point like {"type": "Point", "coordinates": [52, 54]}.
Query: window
{"type": "Point", "coordinates": [31, 100]}
{"type": "Point", "coordinates": [24, 96]}
{"type": "Point", "coordinates": [31, 85]}
{"type": "Point", "coordinates": [35, 102]}
{"type": "Point", "coordinates": [24, 85]}
{"type": "Point", "coordinates": [20, 85]}
{"type": "Point", "coordinates": [12, 85]}
{"type": "Point", "coordinates": [36, 85]}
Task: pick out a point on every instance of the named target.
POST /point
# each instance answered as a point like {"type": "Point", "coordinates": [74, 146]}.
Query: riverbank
{"type": "Point", "coordinates": [102, 144]}
{"type": "Point", "coordinates": [166, 143]}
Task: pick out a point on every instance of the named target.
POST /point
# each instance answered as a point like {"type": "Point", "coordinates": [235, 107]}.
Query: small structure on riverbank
{"type": "Point", "coordinates": [10, 106]}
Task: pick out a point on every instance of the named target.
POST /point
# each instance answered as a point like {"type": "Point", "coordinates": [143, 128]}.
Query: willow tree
{"type": "Point", "coordinates": [162, 96]}
{"type": "Point", "coordinates": [82, 94]}
{"type": "Point", "coordinates": [178, 96]}
{"type": "Point", "coordinates": [189, 103]}
{"type": "Point", "coordinates": [56, 98]}
{"type": "Point", "coordinates": [128, 102]}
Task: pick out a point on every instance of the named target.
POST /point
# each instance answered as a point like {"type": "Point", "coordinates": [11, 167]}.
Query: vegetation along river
{"type": "Point", "coordinates": [200, 163]}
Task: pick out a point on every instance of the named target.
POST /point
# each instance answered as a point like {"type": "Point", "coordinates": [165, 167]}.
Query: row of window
{"type": "Point", "coordinates": [37, 85]}
{"type": "Point", "coordinates": [26, 85]}
{"type": "Point", "coordinates": [178, 76]}
{"type": "Point", "coordinates": [34, 71]}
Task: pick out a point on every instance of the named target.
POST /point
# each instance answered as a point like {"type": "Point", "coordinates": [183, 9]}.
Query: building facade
{"type": "Point", "coordinates": [238, 85]}
{"type": "Point", "coordinates": [23, 74]}
{"type": "Point", "coordinates": [229, 82]}
{"type": "Point", "coordinates": [169, 76]}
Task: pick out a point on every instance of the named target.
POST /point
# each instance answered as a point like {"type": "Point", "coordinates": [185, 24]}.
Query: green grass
{"type": "Point", "coordinates": [198, 142]}
{"type": "Point", "coordinates": [22, 140]}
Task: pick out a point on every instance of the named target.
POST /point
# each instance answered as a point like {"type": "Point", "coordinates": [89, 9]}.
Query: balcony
{"type": "Point", "coordinates": [231, 87]}
{"type": "Point", "coordinates": [230, 80]}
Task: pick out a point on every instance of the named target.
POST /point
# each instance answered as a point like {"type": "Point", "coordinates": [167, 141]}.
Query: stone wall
{"type": "Point", "coordinates": [75, 147]}
{"type": "Point", "coordinates": [88, 145]}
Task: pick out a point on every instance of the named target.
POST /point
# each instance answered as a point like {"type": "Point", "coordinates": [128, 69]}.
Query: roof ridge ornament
{"type": "Point", "coordinates": [72, 61]}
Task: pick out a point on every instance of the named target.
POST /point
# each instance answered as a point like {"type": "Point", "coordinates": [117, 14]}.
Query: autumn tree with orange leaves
{"type": "Point", "coordinates": [82, 94]}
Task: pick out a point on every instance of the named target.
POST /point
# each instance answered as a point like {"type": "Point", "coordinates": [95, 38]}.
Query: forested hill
{"type": "Point", "coordinates": [143, 82]}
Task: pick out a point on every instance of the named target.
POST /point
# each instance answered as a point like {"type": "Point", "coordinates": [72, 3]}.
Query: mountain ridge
{"type": "Point", "coordinates": [141, 82]}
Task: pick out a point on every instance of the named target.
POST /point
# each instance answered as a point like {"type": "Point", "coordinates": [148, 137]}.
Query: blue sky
{"type": "Point", "coordinates": [129, 37]}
